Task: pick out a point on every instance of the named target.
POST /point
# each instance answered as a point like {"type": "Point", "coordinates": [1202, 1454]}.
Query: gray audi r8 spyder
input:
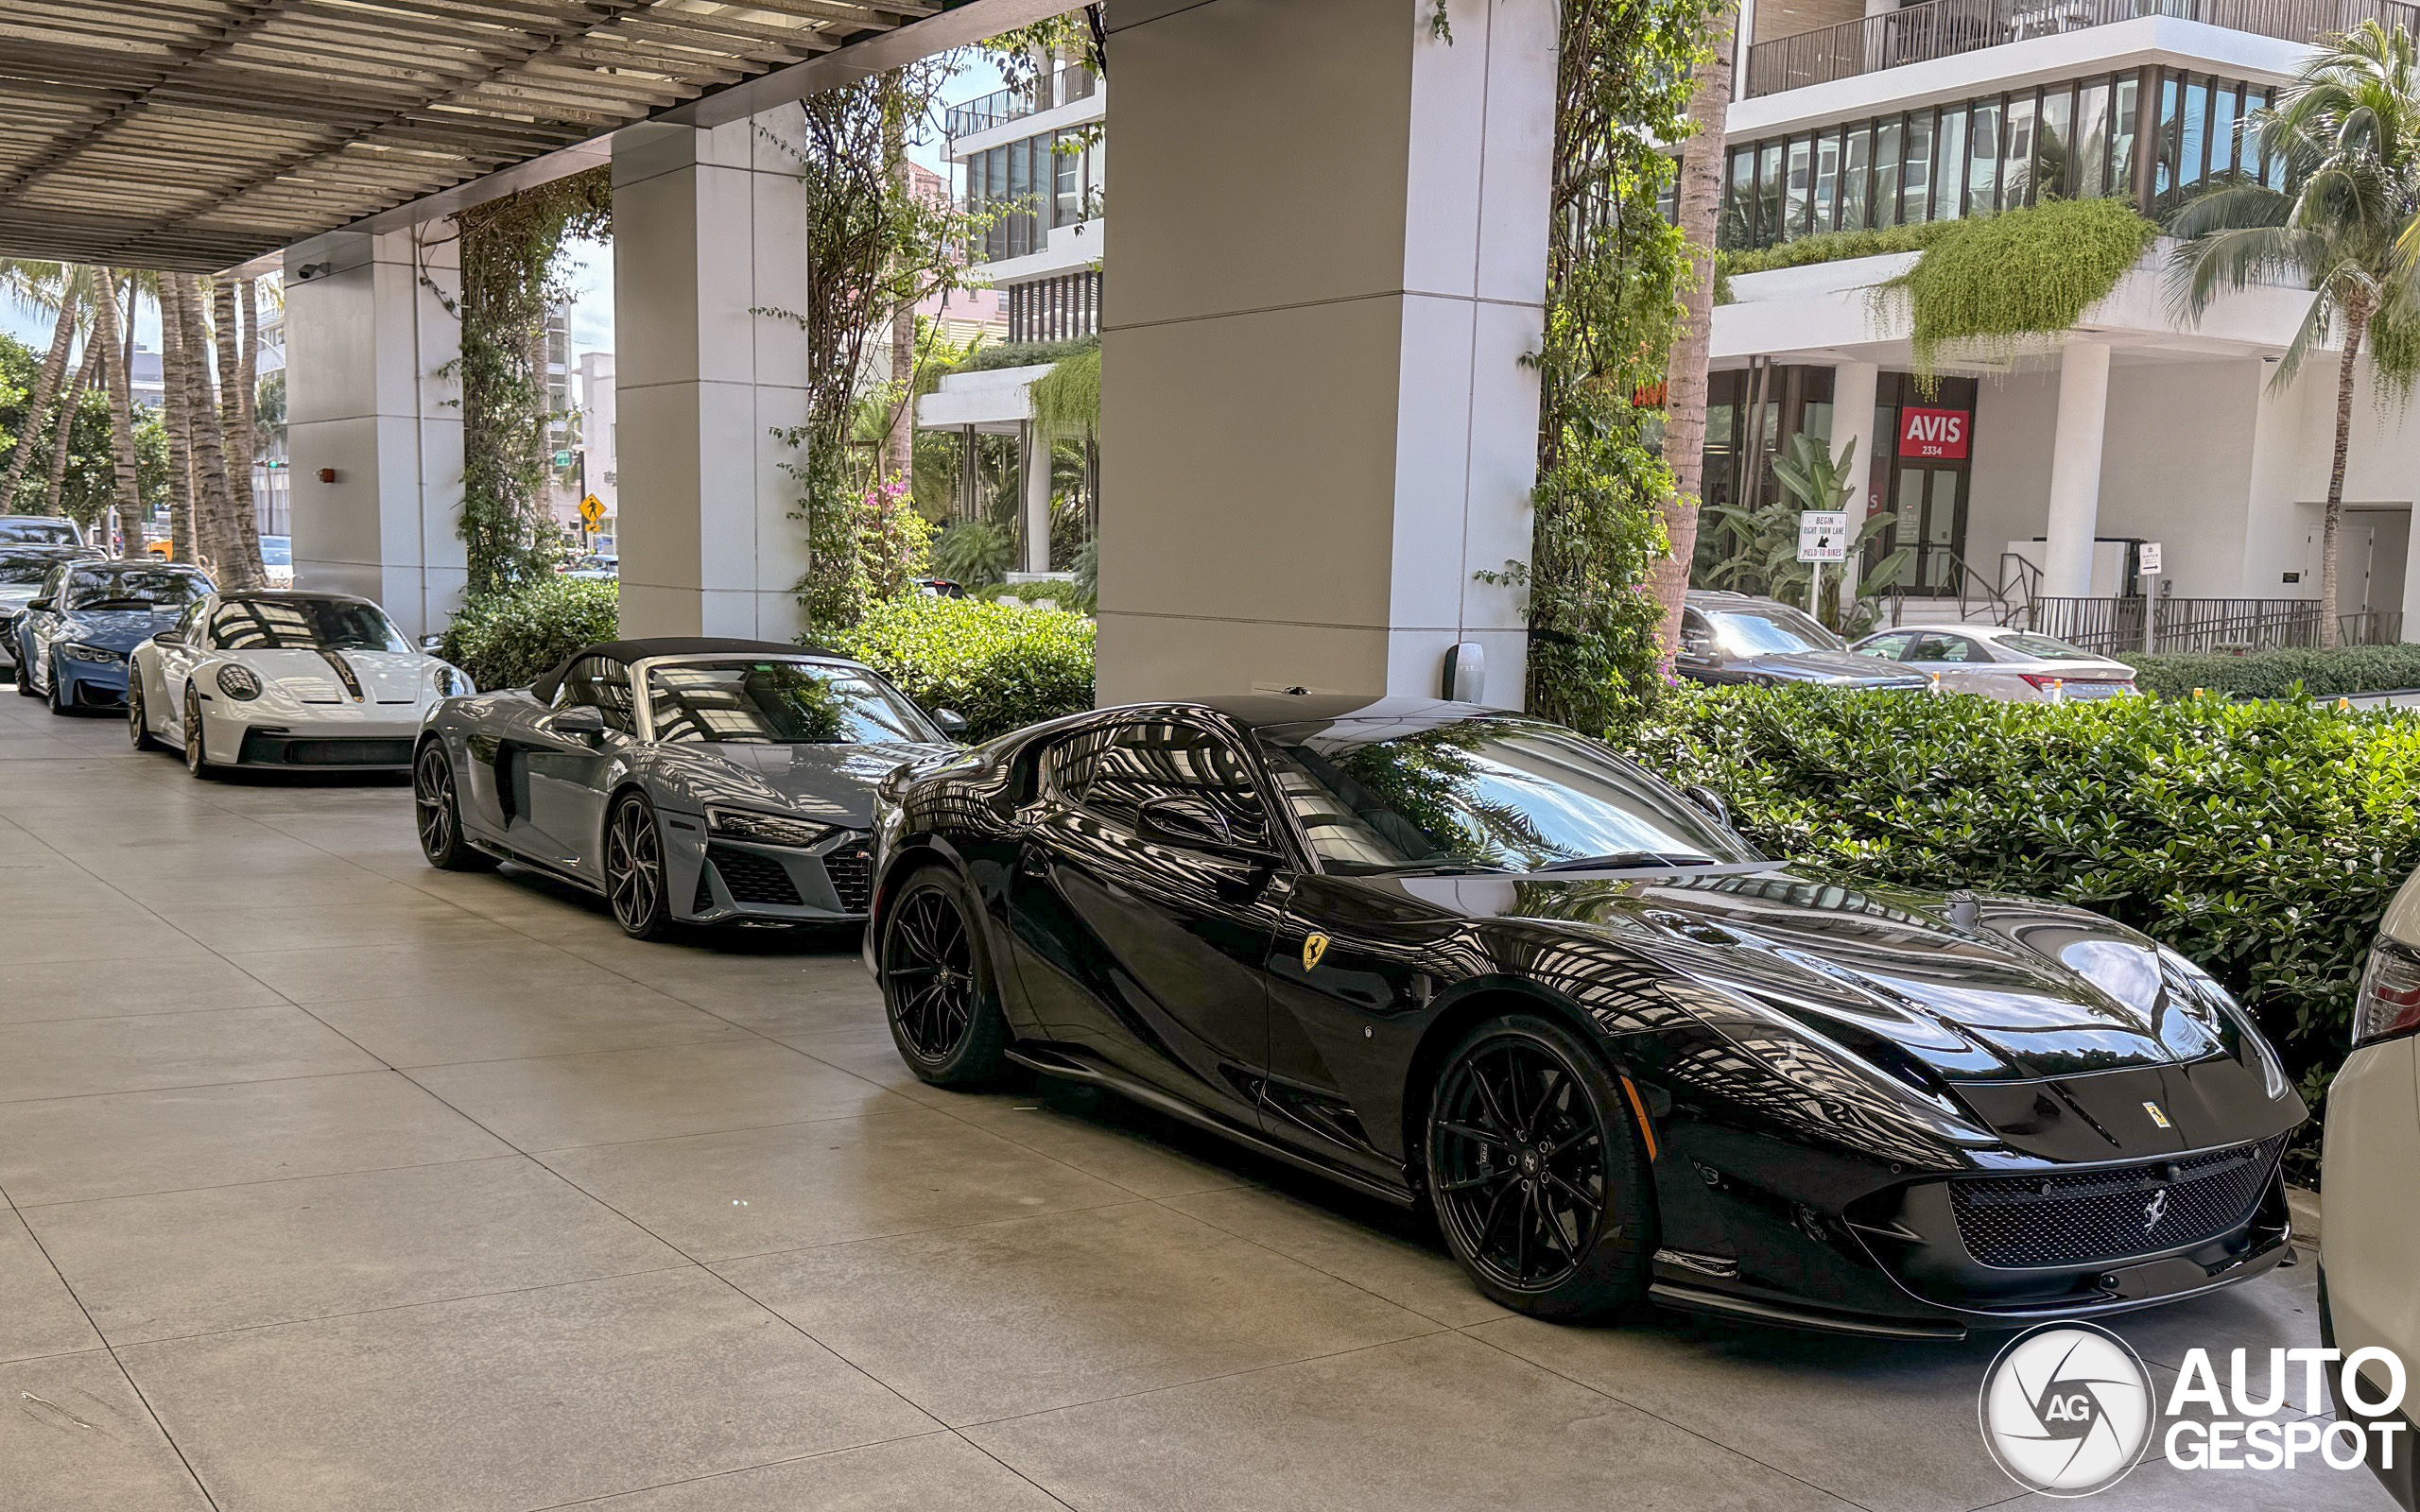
{"type": "Point", "coordinates": [1482, 963]}
{"type": "Point", "coordinates": [688, 781]}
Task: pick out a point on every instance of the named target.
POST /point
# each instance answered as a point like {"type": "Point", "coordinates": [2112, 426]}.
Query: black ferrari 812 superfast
{"type": "Point", "coordinates": [1475, 961]}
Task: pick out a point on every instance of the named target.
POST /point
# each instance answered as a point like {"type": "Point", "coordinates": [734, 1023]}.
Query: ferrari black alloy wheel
{"type": "Point", "coordinates": [138, 728]}
{"type": "Point", "coordinates": [936, 983]}
{"type": "Point", "coordinates": [438, 815]}
{"type": "Point", "coordinates": [196, 762]}
{"type": "Point", "coordinates": [634, 870]}
{"type": "Point", "coordinates": [1537, 1171]}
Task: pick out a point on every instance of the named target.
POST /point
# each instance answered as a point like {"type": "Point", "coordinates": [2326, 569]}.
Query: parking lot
{"type": "Point", "coordinates": [335, 1182]}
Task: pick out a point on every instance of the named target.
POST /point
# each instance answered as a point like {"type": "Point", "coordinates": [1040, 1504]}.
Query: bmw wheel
{"type": "Point", "coordinates": [1538, 1171]}
{"type": "Point", "coordinates": [138, 719]}
{"type": "Point", "coordinates": [438, 811]}
{"type": "Point", "coordinates": [197, 760]}
{"type": "Point", "coordinates": [937, 987]}
{"type": "Point", "coordinates": [634, 870]}
{"type": "Point", "coordinates": [57, 698]}
{"type": "Point", "coordinates": [26, 688]}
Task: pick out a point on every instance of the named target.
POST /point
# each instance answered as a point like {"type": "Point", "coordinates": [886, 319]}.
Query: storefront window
{"type": "Point", "coordinates": [1915, 178]}
{"type": "Point", "coordinates": [2057, 151]}
{"type": "Point", "coordinates": [2092, 141]}
{"type": "Point", "coordinates": [1949, 190]}
{"type": "Point", "coordinates": [1795, 200]}
{"type": "Point", "coordinates": [1827, 179]}
{"type": "Point", "coordinates": [1856, 161]}
{"type": "Point", "coordinates": [1886, 174]}
{"type": "Point", "coordinates": [1983, 161]}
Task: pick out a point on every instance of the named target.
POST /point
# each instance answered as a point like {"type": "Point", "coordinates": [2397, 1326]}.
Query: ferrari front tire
{"type": "Point", "coordinates": [438, 809]}
{"type": "Point", "coordinates": [938, 991]}
{"type": "Point", "coordinates": [1538, 1171]}
{"type": "Point", "coordinates": [634, 881]}
{"type": "Point", "coordinates": [197, 756]}
{"type": "Point", "coordinates": [138, 718]}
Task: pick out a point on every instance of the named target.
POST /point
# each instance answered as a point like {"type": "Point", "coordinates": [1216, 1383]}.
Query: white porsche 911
{"type": "Point", "coordinates": [276, 679]}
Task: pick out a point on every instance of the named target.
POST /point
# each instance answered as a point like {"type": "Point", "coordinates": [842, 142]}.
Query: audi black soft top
{"type": "Point", "coordinates": [640, 651]}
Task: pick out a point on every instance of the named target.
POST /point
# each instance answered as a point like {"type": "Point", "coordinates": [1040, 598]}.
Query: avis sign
{"type": "Point", "coordinates": [1938, 434]}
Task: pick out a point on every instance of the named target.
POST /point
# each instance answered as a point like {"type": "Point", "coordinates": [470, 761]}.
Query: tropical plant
{"type": "Point", "coordinates": [1991, 287]}
{"type": "Point", "coordinates": [2292, 672]}
{"type": "Point", "coordinates": [2347, 224]}
{"type": "Point", "coordinates": [60, 290]}
{"type": "Point", "coordinates": [505, 639]}
{"type": "Point", "coordinates": [127, 471]}
{"type": "Point", "coordinates": [975, 553]}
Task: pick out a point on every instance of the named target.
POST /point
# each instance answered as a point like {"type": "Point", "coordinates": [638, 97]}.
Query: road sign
{"type": "Point", "coordinates": [592, 511]}
{"type": "Point", "coordinates": [2147, 557]}
{"type": "Point", "coordinates": [562, 460]}
{"type": "Point", "coordinates": [1823, 535]}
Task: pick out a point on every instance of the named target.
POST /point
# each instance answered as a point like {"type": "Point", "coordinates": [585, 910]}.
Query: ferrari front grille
{"type": "Point", "coordinates": [752, 878]}
{"type": "Point", "coordinates": [2112, 1212]}
{"type": "Point", "coordinates": [851, 871]}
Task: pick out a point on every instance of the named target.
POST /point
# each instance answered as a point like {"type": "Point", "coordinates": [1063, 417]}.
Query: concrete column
{"type": "Point", "coordinates": [365, 339]}
{"type": "Point", "coordinates": [1316, 420]}
{"type": "Point", "coordinates": [2273, 524]}
{"type": "Point", "coordinates": [708, 226]}
{"type": "Point", "coordinates": [1034, 472]}
{"type": "Point", "coordinates": [2075, 469]}
{"type": "Point", "coordinates": [1853, 390]}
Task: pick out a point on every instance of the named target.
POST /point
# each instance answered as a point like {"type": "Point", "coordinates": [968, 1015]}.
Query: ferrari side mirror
{"type": "Point", "coordinates": [952, 722]}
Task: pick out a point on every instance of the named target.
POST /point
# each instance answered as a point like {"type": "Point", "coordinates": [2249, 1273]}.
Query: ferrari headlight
{"type": "Point", "coordinates": [2187, 974]}
{"type": "Point", "coordinates": [763, 829]}
{"type": "Point", "coordinates": [238, 681]}
{"type": "Point", "coordinates": [91, 653]}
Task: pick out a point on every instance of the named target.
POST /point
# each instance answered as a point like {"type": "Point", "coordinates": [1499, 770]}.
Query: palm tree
{"type": "Point", "coordinates": [121, 385]}
{"type": "Point", "coordinates": [182, 543]}
{"type": "Point", "coordinates": [217, 531]}
{"type": "Point", "coordinates": [241, 563]}
{"type": "Point", "coordinates": [63, 436]}
{"type": "Point", "coordinates": [2347, 223]}
{"type": "Point", "coordinates": [54, 288]}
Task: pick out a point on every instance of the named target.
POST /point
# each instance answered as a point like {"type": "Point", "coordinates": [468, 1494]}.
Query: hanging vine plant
{"type": "Point", "coordinates": [511, 272]}
{"type": "Point", "coordinates": [1994, 288]}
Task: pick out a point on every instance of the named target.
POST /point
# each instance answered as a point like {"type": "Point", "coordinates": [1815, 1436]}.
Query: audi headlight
{"type": "Point", "coordinates": [763, 829]}
{"type": "Point", "coordinates": [91, 653]}
{"type": "Point", "coordinates": [238, 681]}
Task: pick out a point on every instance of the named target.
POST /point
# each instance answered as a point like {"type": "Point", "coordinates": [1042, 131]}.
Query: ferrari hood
{"type": "Point", "coordinates": [1976, 988]}
{"type": "Point", "coordinates": [831, 784]}
{"type": "Point", "coordinates": [390, 677]}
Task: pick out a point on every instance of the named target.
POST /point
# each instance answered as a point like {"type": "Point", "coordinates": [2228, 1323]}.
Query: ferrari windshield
{"type": "Point", "coordinates": [754, 701]}
{"type": "Point", "coordinates": [134, 588]}
{"type": "Point", "coordinates": [303, 625]}
{"type": "Point", "coordinates": [1485, 795]}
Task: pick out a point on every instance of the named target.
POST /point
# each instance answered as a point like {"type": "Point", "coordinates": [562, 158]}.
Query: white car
{"type": "Point", "coordinates": [1999, 661]}
{"type": "Point", "coordinates": [2369, 1229]}
{"type": "Point", "coordinates": [282, 680]}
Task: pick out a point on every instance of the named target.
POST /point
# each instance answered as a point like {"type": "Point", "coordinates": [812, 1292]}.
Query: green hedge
{"type": "Point", "coordinates": [999, 665]}
{"type": "Point", "coordinates": [2262, 840]}
{"type": "Point", "coordinates": [1832, 247]}
{"type": "Point", "coordinates": [505, 640]}
{"type": "Point", "coordinates": [2273, 674]}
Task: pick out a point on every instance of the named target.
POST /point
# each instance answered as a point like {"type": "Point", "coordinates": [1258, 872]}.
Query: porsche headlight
{"type": "Point", "coordinates": [762, 829]}
{"type": "Point", "coordinates": [238, 681]}
{"type": "Point", "coordinates": [91, 653]}
{"type": "Point", "coordinates": [452, 681]}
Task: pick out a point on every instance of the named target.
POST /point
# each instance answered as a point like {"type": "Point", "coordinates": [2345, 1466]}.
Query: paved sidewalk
{"type": "Point", "coordinates": [333, 1183]}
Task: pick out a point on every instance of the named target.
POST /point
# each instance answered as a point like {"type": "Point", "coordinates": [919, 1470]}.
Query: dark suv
{"type": "Point", "coordinates": [1734, 638]}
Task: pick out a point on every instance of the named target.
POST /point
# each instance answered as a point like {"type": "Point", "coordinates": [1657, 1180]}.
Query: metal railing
{"type": "Point", "coordinates": [1942, 28]}
{"type": "Point", "coordinates": [1062, 87]}
{"type": "Point", "coordinates": [2114, 625]}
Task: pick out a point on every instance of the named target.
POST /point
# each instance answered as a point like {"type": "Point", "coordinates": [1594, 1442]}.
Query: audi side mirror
{"type": "Point", "coordinates": [45, 604]}
{"type": "Point", "coordinates": [952, 722]}
{"type": "Point", "coordinates": [1710, 802]}
{"type": "Point", "coordinates": [580, 721]}
{"type": "Point", "coordinates": [1193, 824]}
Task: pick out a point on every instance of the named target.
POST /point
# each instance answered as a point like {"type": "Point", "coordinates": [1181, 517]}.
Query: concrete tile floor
{"type": "Point", "coordinates": [331, 1182]}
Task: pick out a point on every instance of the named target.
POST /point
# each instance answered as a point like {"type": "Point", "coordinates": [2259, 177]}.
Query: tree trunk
{"type": "Point", "coordinates": [899, 447]}
{"type": "Point", "coordinates": [217, 530]}
{"type": "Point", "coordinates": [1701, 203]}
{"type": "Point", "coordinates": [248, 369]}
{"type": "Point", "coordinates": [54, 370]}
{"type": "Point", "coordinates": [2357, 321]}
{"type": "Point", "coordinates": [65, 432]}
{"type": "Point", "coordinates": [182, 545]}
{"type": "Point", "coordinates": [121, 384]}
{"type": "Point", "coordinates": [242, 525]}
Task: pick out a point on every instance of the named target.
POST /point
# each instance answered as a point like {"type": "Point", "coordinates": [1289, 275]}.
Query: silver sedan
{"type": "Point", "coordinates": [2012, 665]}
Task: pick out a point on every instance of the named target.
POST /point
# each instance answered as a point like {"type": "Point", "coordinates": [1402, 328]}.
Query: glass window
{"type": "Point", "coordinates": [1170, 758]}
{"type": "Point", "coordinates": [2226, 112]}
{"type": "Point", "coordinates": [133, 588]}
{"type": "Point", "coordinates": [303, 625]}
{"type": "Point", "coordinates": [2192, 134]}
{"type": "Point", "coordinates": [1768, 629]}
{"type": "Point", "coordinates": [1488, 793]}
{"type": "Point", "coordinates": [2123, 101]}
{"type": "Point", "coordinates": [1796, 187]}
{"type": "Point", "coordinates": [2016, 169]}
{"type": "Point", "coordinates": [1886, 174]}
{"type": "Point", "coordinates": [602, 683]}
{"type": "Point", "coordinates": [1768, 224]}
{"type": "Point", "coordinates": [1739, 200]}
{"type": "Point", "coordinates": [1915, 178]}
{"type": "Point", "coordinates": [1949, 189]}
{"type": "Point", "coordinates": [1983, 160]}
{"type": "Point", "coordinates": [2254, 156]}
{"type": "Point", "coordinates": [773, 702]}
{"type": "Point", "coordinates": [2056, 146]}
{"type": "Point", "coordinates": [1887, 647]}
{"type": "Point", "coordinates": [1854, 160]}
{"type": "Point", "coordinates": [40, 532]}
{"type": "Point", "coordinates": [2046, 648]}
{"type": "Point", "coordinates": [1067, 175]}
{"type": "Point", "coordinates": [23, 571]}
{"type": "Point", "coordinates": [1827, 179]}
{"type": "Point", "coordinates": [2164, 139]}
{"type": "Point", "coordinates": [1944, 648]}
{"type": "Point", "coordinates": [2092, 140]}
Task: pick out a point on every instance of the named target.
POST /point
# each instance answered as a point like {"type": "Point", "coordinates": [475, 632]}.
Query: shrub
{"type": "Point", "coordinates": [1000, 666]}
{"type": "Point", "coordinates": [505, 640]}
{"type": "Point", "coordinates": [975, 553]}
{"type": "Point", "coordinates": [2273, 674]}
{"type": "Point", "coordinates": [2262, 840]}
{"type": "Point", "coordinates": [1986, 286]}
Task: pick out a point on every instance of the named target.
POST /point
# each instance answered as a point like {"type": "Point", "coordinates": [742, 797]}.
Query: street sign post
{"type": "Point", "coordinates": [2147, 564]}
{"type": "Point", "coordinates": [592, 511]}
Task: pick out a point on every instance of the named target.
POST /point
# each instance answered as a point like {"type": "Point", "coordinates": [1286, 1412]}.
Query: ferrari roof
{"type": "Point", "coordinates": [641, 650]}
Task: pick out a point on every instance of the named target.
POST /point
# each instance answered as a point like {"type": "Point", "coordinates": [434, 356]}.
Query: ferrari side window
{"type": "Point", "coordinates": [605, 684]}
{"type": "Point", "coordinates": [1168, 758]}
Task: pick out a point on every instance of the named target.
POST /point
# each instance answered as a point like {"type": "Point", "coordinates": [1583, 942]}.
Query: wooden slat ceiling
{"type": "Point", "coordinates": [194, 134]}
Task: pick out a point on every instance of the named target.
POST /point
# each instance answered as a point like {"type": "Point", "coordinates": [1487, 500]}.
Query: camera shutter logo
{"type": "Point", "coordinates": [2067, 1410]}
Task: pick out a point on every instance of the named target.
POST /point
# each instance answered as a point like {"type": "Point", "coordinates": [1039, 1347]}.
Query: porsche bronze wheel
{"type": "Point", "coordinates": [937, 987]}
{"type": "Point", "coordinates": [1537, 1171]}
{"type": "Point", "coordinates": [196, 755]}
{"type": "Point", "coordinates": [634, 870]}
{"type": "Point", "coordinates": [438, 811]}
{"type": "Point", "coordinates": [138, 720]}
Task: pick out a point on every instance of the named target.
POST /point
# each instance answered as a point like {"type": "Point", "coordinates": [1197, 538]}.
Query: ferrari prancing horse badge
{"type": "Point", "coordinates": [1314, 947]}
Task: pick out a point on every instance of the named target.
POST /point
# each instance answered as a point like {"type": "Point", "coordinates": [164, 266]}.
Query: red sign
{"type": "Point", "coordinates": [1935, 433]}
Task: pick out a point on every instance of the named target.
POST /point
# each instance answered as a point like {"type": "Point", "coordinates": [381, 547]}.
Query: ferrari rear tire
{"type": "Point", "coordinates": [1538, 1171]}
{"type": "Point", "coordinates": [197, 753]}
{"type": "Point", "coordinates": [937, 991]}
{"type": "Point", "coordinates": [634, 881]}
{"type": "Point", "coordinates": [437, 809]}
{"type": "Point", "coordinates": [138, 719]}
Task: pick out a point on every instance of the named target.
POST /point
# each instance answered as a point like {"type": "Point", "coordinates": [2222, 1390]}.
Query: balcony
{"type": "Point", "coordinates": [1000, 106]}
{"type": "Point", "coordinates": [1943, 29]}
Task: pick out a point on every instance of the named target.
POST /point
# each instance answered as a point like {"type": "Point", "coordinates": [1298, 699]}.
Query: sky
{"type": "Point", "coordinates": [591, 276]}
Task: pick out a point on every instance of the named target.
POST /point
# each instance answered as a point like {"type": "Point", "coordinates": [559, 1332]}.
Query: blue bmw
{"type": "Point", "coordinates": [72, 641]}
